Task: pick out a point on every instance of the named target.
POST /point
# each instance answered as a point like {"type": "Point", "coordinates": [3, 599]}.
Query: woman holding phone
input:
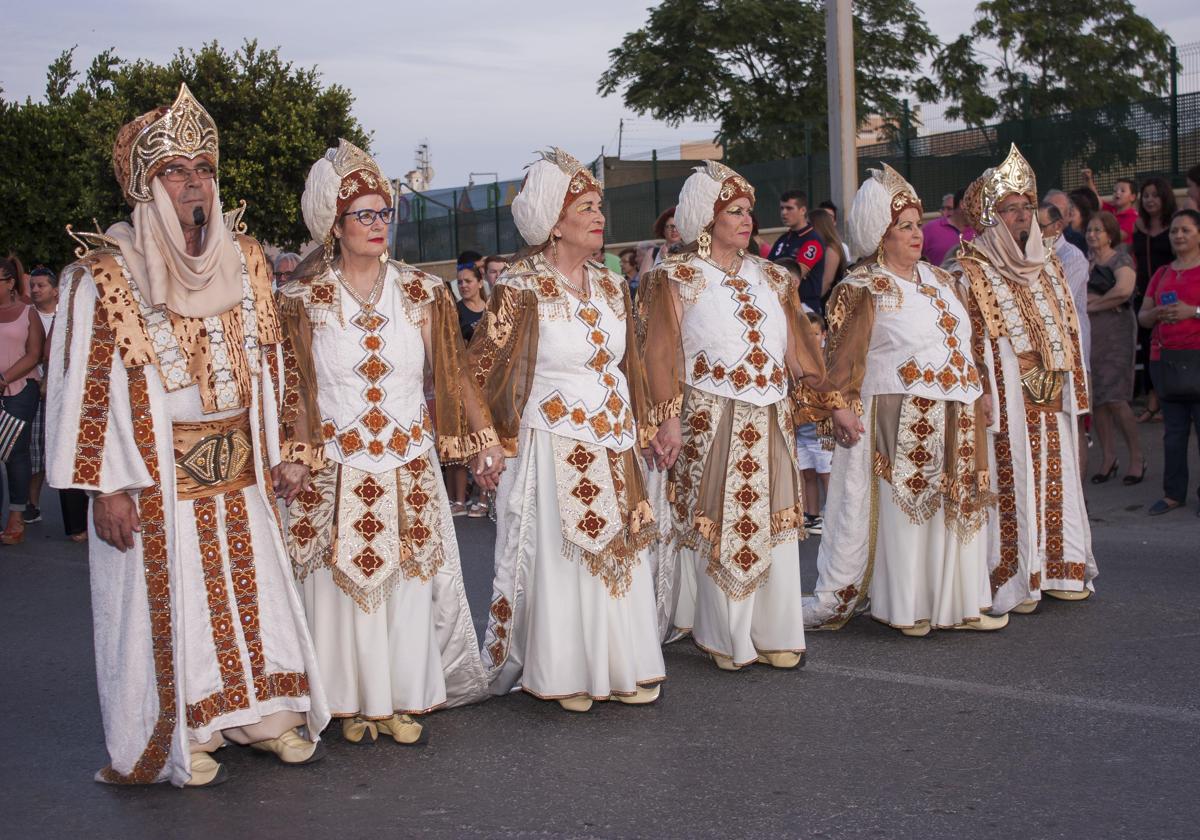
{"type": "Point", "coordinates": [1171, 310]}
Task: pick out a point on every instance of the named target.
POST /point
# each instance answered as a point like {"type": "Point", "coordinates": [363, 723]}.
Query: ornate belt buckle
{"type": "Point", "coordinates": [1043, 386]}
{"type": "Point", "coordinates": [217, 458]}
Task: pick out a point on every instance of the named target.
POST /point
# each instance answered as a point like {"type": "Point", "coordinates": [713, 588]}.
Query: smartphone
{"type": "Point", "coordinates": [1167, 298]}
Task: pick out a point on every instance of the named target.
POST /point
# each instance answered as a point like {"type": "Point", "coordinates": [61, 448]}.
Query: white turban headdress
{"type": "Point", "coordinates": [704, 193]}
{"type": "Point", "coordinates": [551, 183]}
{"type": "Point", "coordinates": [335, 180]}
{"type": "Point", "coordinates": [876, 206]}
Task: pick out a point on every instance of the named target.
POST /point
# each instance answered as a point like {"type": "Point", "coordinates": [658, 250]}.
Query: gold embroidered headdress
{"type": "Point", "coordinates": [143, 145]}
{"type": "Point", "coordinates": [707, 191]}
{"type": "Point", "coordinates": [339, 177]}
{"type": "Point", "coordinates": [876, 207]}
{"type": "Point", "coordinates": [551, 183]}
{"type": "Point", "coordinates": [1012, 177]}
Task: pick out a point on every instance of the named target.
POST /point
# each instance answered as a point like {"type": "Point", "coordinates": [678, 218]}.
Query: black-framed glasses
{"type": "Point", "coordinates": [367, 217]}
{"type": "Point", "coordinates": [178, 174]}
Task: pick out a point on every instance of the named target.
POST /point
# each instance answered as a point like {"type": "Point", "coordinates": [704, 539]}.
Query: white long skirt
{"type": "Point", "coordinates": [769, 620]}
{"type": "Point", "coordinates": [416, 652]}
{"type": "Point", "coordinates": [911, 572]}
{"type": "Point", "coordinates": [554, 630]}
{"type": "Point", "coordinates": [674, 582]}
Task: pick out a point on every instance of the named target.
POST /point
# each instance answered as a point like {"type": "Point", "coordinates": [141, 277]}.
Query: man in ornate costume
{"type": "Point", "coordinates": [163, 404]}
{"type": "Point", "coordinates": [372, 539]}
{"type": "Point", "coordinates": [1026, 337]}
{"type": "Point", "coordinates": [727, 353]}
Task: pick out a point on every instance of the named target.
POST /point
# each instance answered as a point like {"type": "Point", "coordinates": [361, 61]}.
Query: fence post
{"type": "Point", "coordinates": [454, 222]}
{"type": "Point", "coordinates": [654, 176]}
{"type": "Point", "coordinates": [496, 212]}
{"type": "Point", "coordinates": [419, 206]}
{"type": "Point", "coordinates": [808, 161]}
{"type": "Point", "coordinates": [905, 126]}
{"type": "Point", "coordinates": [1174, 114]}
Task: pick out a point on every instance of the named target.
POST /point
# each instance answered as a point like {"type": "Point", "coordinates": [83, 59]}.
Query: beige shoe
{"type": "Point", "coordinates": [206, 772]}
{"type": "Point", "coordinates": [403, 729]}
{"type": "Point", "coordinates": [985, 622]}
{"type": "Point", "coordinates": [782, 659]}
{"type": "Point", "coordinates": [921, 628]}
{"type": "Point", "coordinates": [354, 729]}
{"type": "Point", "coordinates": [1026, 607]}
{"type": "Point", "coordinates": [725, 663]}
{"type": "Point", "coordinates": [1068, 594]}
{"type": "Point", "coordinates": [645, 694]}
{"type": "Point", "coordinates": [579, 703]}
{"type": "Point", "coordinates": [290, 748]}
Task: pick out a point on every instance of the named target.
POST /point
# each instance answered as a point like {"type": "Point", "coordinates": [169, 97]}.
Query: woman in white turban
{"type": "Point", "coordinates": [908, 496]}
{"type": "Point", "coordinates": [572, 616]}
{"type": "Point", "coordinates": [369, 527]}
{"type": "Point", "coordinates": [728, 352]}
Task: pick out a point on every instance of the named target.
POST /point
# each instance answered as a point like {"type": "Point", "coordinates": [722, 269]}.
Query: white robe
{"type": "Point", "coordinates": [208, 605]}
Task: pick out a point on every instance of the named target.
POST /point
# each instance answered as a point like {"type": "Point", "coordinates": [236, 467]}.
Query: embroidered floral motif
{"type": "Point", "coordinates": [754, 358]}
{"type": "Point", "coordinates": [956, 371]}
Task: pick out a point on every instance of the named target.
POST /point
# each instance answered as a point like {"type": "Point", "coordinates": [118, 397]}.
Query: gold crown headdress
{"type": "Point", "coordinates": [1012, 177]}
{"type": "Point", "coordinates": [733, 185]}
{"type": "Point", "coordinates": [184, 129]}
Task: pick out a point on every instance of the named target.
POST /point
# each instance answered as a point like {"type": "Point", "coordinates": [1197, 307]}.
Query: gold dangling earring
{"type": "Point", "coordinates": [383, 258]}
{"type": "Point", "coordinates": [554, 246]}
{"type": "Point", "coordinates": [328, 246]}
{"type": "Point", "coordinates": [704, 244]}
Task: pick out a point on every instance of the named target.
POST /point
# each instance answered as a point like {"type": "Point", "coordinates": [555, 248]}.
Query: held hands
{"type": "Point", "coordinates": [487, 467]}
{"type": "Point", "coordinates": [290, 481]}
{"type": "Point", "coordinates": [667, 443]}
{"type": "Point", "coordinates": [115, 517]}
{"type": "Point", "coordinates": [847, 428]}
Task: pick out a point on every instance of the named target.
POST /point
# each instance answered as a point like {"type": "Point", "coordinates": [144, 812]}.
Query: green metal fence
{"type": "Point", "coordinates": [1154, 137]}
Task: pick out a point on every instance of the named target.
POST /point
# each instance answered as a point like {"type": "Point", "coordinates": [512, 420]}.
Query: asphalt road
{"type": "Point", "coordinates": [1080, 721]}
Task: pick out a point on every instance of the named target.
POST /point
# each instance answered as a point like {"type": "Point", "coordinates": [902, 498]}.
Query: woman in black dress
{"type": "Point", "coordinates": [1151, 250]}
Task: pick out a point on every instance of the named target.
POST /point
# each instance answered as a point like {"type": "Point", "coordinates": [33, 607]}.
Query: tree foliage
{"type": "Point", "coordinates": [1052, 56]}
{"type": "Point", "coordinates": [274, 120]}
{"type": "Point", "coordinates": [758, 67]}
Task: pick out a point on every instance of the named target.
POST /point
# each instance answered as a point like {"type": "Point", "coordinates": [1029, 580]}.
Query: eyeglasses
{"type": "Point", "coordinates": [1017, 208]}
{"type": "Point", "coordinates": [367, 217]}
{"type": "Point", "coordinates": [177, 174]}
{"type": "Point", "coordinates": [282, 275]}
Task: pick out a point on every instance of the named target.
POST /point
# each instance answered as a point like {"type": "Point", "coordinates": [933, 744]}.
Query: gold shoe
{"type": "Point", "coordinates": [403, 729]}
{"type": "Point", "coordinates": [725, 663]}
{"type": "Point", "coordinates": [290, 748]}
{"type": "Point", "coordinates": [1069, 594]}
{"type": "Point", "coordinates": [1026, 607]}
{"type": "Point", "coordinates": [985, 622]}
{"type": "Point", "coordinates": [355, 728]}
{"type": "Point", "coordinates": [921, 628]}
{"type": "Point", "coordinates": [578, 703]}
{"type": "Point", "coordinates": [645, 694]}
{"type": "Point", "coordinates": [781, 659]}
{"type": "Point", "coordinates": [206, 772]}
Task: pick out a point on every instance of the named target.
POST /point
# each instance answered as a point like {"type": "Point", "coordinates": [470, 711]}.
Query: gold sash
{"type": "Point", "coordinates": [214, 456]}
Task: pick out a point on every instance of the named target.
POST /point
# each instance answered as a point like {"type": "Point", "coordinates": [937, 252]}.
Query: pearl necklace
{"type": "Point", "coordinates": [372, 299]}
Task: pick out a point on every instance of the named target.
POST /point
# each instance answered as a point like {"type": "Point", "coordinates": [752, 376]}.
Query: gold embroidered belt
{"type": "Point", "coordinates": [1043, 388]}
{"type": "Point", "coordinates": [215, 456]}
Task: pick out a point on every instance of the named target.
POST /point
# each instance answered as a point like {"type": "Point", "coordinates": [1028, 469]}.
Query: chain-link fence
{"type": "Point", "coordinates": [1129, 140]}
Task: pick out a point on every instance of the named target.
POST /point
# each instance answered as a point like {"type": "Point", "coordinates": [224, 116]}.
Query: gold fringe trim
{"type": "Point", "coordinates": [708, 530]}
{"type": "Point", "coordinates": [662, 411]}
{"type": "Point", "coordinates": [296, 452]}
{"type": "Point", "coordinates": [458, 450]}
{"type": "Point", "coordinates": [641, 516]}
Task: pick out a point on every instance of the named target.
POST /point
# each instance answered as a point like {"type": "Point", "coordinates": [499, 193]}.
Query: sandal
{"type": "Point", "coordinates": [14, 534]}
{"type": "Point", "coordinates": [1163, 506]}
{"type": "Point", "coordinates": [1102, 477]}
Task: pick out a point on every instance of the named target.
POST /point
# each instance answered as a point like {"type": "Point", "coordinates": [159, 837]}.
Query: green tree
{"type": "Point", "coordinates": [757, 67]}
{"type": "Point", "coordinates": [1051, 56]}
{"type": "Point", "coordinates": [274, 120]}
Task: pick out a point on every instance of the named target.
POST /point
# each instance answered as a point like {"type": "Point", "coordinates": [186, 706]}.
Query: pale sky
{"type": "Point", "coordinates": [485, 83]}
